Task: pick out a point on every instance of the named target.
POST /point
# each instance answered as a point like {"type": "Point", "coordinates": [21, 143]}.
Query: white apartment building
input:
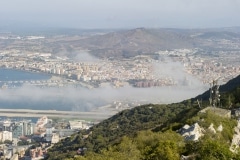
{"type": "Point", "coordinates": [5, 135]}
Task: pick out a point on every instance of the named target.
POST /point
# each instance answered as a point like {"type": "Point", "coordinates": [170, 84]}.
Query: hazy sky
{"type": "Point", "coordinates": [120, 13]}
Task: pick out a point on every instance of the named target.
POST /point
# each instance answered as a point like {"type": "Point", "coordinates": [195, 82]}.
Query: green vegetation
{"type": "Point", "coordinates": [125, 123]}
{"type": "Point", "coordinates": [22, 143]}
{"type": "Point", "coordinates": [169, 145]}
{"type": "Point", "coordinates": [148, 132]}
{"type": "Point", "coordinates": [229, 94]}
{"type": "Point", "coordinates": [7, 142]}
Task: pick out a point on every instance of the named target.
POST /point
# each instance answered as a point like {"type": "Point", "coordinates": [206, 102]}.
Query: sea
{"type": "Point", "coordinates": [10, 81]}
{"type": "Point", "coordinates": [17, 77]}
{"type": "Point", "coordinates": [16, 93]}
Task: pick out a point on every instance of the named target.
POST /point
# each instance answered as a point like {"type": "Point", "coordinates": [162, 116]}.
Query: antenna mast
{"type": "Point", "coordinates": [214, 93]}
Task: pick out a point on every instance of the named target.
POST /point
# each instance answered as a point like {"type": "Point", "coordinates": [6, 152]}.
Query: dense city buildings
{"type": "Point", "coordinates": [33, 138]}
{"type": "Point", "coordinates": [140, 71]}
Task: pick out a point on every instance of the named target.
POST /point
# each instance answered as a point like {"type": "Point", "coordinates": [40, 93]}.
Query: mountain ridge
{"type": "Point", "coordinates": [147, 41]}
{"type": "Point", "coordinates": [134, 42]}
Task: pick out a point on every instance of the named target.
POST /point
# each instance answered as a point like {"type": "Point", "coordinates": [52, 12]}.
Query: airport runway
{"type": "Point", "coordinates": [54, 113]}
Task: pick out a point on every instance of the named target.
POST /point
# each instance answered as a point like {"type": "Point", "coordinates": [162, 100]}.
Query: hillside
{"type": "Point", "coordinates": [158, 118]}
{"type": "Point", "coordinates": [230, 89]}
{"type": "Point", "coordinates": [146, 41]}
{"type": "Point", "coordinates": [220, 35]}
{"type": "Point", "coordinates": [170, 145]}
{"type": "Point", "coordinates": [134, 42]}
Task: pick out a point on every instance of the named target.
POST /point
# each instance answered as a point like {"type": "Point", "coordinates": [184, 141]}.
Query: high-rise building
{"type": "Point", "coordinates": [23, 128]}
{"type": "Point", "coordinates": [28, 127]}
{"type": "Point", "coordinates": [49, 132]}
{"type": "Point", "coordinates": [17, 130]}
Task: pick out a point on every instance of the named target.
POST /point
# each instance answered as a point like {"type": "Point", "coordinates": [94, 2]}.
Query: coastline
{"type": "Point", "coordinates": [26, 70]}
{"type": "Point", "coordinates": [40, 75]}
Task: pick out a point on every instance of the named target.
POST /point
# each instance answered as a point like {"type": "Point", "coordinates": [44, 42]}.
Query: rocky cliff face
{"type": "Point", "coordinates": [236, 138]}
{"type": "Point", "coordinates": [192, 133]}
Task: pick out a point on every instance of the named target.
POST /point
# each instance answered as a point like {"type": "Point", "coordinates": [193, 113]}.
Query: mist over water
{"type": "Point", "coordinates": [83, 99]}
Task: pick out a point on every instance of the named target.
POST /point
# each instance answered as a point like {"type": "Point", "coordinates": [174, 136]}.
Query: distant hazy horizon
{"type": "Point", "coordinates": [120, 14]}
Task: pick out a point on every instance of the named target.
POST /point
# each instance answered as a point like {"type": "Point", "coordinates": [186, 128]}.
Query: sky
{"type": "Point", "coordinates": [120, 13]}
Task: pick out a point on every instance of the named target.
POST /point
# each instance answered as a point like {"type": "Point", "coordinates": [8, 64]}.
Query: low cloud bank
{"type": "Point", "coordinates": [82, 99]}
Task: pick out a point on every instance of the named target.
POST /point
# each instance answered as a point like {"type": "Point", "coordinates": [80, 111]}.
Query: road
{"type": "Point", "coordinates": [55, 113]}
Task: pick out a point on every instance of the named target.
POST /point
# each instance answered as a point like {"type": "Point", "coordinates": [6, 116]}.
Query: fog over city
{"type": "Point", "coordinates": [82, 56]}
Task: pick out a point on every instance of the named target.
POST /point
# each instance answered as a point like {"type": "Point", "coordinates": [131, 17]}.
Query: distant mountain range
{"type": "Point", "coordinates": [123, 43]}
{"type": "Point", "coordinates": [135, 42]}
{"type": "Point", "coordinates": [142, 41]}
